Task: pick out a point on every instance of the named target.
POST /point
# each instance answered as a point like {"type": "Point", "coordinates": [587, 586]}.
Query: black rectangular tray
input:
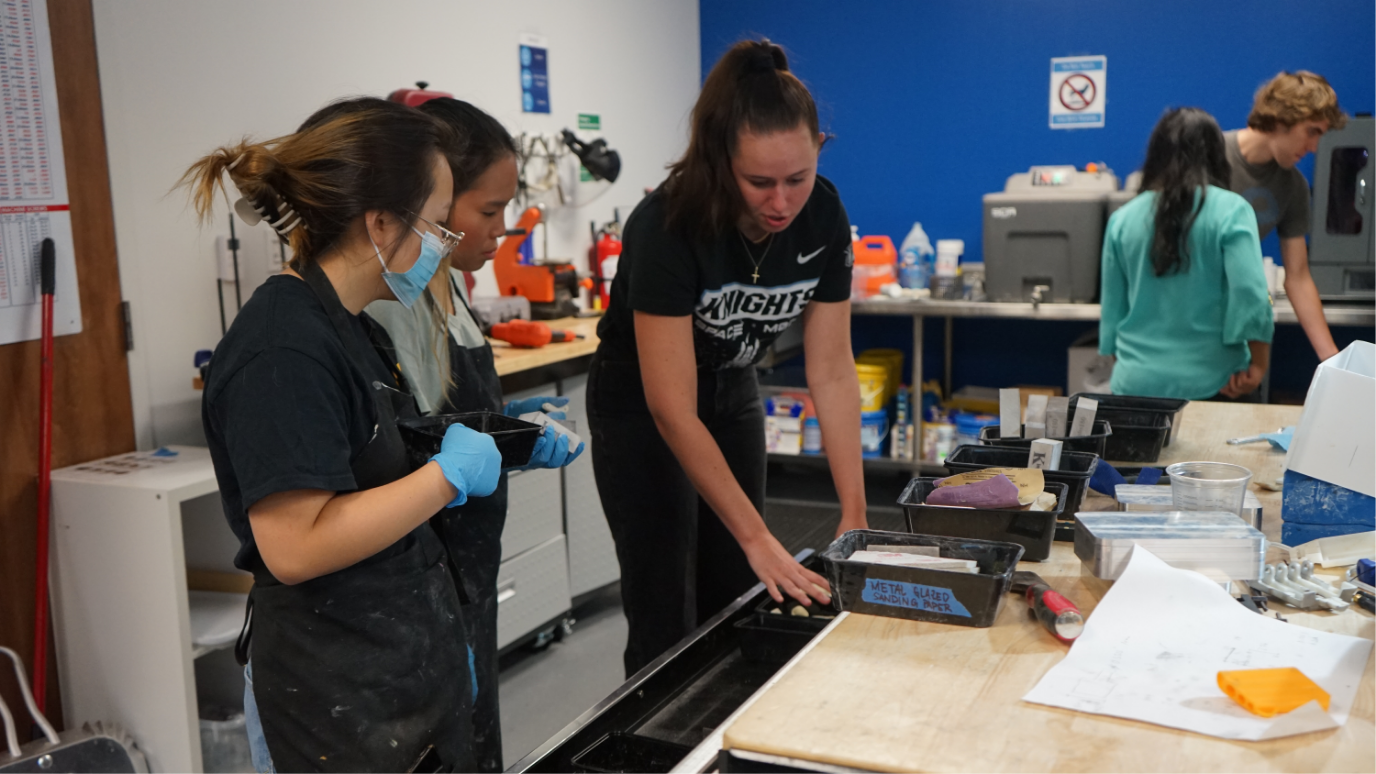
{"type": "Point", "coordinates": [515, 438]}
{"type": "Point", "coordinates": [619, 751]}
{"type": "Point", "coordinates": [916, 594]}
{"type": "Point", "coordinates": [1033, 530]}
{"type": "Point", "coordinates": [774, 638]}
{"type": "Point", "coordinates": [1171, 407]}
{"type": "Point", "coordinates": [1093, 443]}
{"type": "Point", "coordinates": [1075, 472]}
{"type": "Point", "coordinates": [1138, 434]}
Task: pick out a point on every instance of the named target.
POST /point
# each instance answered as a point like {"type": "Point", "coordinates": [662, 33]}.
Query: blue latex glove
{"type": "Point", "coordinates": [526, 405]}
{"type": "Point", "coordinates": [1105, 479]}
{"type": "Point", "coordinates": [1148, 476]}
{"type": "Point", "coordinates": [470, 462]}
{"type": "Point", "coordinates": [552, 451]}
{"type": "Point", "coordinates": [1282, 439]}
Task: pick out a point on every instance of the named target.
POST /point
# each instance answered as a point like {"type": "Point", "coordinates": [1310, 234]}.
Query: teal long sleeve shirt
{"type": "Point", "coordinates": [1184, 334]}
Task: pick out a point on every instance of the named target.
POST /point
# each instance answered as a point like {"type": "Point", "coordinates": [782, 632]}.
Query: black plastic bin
{"type": "Point", "coordinates": [1093, 443]}
{"type": "Point", "coordinates": [1171, 407]}
{"type": "Point", "coordinates": [1076, 469]}
{"type": "Point", "coordinates": [515, 437]}
{"type": "Point", "coordinates": [1138, 434]}
{"type": "Point", "coordinates": [1033, 530]}
{"type": "Point", "coordinates": [773, 638]}
{"type": "Point", "coordinates": [618, 752]}
{"type": "Point", "coordinates": [916, 594]}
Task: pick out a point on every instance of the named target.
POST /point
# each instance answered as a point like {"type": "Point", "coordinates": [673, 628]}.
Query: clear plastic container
{"type": "Point", "coordinates": [1209, 486]}
{"type": "Point", "coordinates": [224, 741]}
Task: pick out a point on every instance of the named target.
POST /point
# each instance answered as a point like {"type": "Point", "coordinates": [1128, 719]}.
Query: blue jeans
{"type": "Point", "coordinates": [257, 743]}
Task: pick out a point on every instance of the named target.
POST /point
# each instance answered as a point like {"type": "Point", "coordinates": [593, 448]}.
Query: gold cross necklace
{"type": "Point", "coordinates": [755, 277]}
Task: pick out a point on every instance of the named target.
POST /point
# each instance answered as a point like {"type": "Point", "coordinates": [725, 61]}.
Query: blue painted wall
{"type": "Point", "coordinates": [934, 104]}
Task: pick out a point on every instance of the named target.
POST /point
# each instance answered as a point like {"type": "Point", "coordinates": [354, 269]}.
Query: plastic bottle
{"type": "Point", "coordinates": [913, 258]}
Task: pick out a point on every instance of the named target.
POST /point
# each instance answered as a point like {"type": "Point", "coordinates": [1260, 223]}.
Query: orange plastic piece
{"type": "Point", "coordinates": [1271, 692]}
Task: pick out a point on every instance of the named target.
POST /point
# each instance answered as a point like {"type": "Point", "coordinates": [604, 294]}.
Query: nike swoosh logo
{"type": "Point", "coordinates": [805, 258]}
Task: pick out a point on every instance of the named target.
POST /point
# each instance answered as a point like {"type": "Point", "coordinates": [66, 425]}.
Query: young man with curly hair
{"type": "Point", "coordinates": [1289, 115]}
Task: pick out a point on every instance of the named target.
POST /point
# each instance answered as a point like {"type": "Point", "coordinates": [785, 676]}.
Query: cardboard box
{"type": "Point", "coordinates": [1335, 440]}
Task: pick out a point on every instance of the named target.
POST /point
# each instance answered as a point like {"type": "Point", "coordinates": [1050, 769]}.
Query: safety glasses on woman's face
{"type": "Point", "coordinates": [448, 239]}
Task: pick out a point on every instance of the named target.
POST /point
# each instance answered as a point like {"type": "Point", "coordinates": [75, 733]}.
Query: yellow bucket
{"type": "Point", "coordinates": [874, 381]}
{"type": "Point", "coordinates": [892, 362]}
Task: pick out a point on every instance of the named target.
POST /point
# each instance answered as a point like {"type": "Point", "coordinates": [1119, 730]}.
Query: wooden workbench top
{"type": "Point", "coordinates": [893, 695]}
{"type": "Point", "coordinates": [511, 360]}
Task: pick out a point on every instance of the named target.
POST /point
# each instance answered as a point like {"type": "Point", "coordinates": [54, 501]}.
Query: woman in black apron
{"type": "Point", "coordinates": [353, 666]}
{"type": "Point", "coordinates": [741, 240]}
{"type": "Point", "coordinates": [483, 163]}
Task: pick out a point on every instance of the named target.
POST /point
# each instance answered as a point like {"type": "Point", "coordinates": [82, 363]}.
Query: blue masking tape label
{"type": "Point", "coordinates": [913, 596]}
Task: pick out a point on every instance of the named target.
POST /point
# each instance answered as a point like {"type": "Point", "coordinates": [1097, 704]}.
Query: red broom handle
{"type": "Point", "coordinates": [45, 470]}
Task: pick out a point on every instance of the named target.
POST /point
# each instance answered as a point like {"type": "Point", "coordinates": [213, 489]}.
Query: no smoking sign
{"type": "Point", "coordinates": [1078, 85]}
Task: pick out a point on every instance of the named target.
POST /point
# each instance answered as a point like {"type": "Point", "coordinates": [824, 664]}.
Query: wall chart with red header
{"type": "Point", "coordinates": [33, 178]}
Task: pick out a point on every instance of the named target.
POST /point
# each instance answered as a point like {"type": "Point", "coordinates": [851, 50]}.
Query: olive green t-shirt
{"type": "Point", "coordinates": [1279, 196]}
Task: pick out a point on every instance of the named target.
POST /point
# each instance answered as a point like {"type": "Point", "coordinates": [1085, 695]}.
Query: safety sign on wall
{"type": "Point", "coordinates": [1079, 88]}
{"type": "Point", "coordinates": [534, 73]}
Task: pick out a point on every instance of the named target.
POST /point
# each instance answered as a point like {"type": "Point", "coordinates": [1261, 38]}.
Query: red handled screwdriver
{"type": "Point", "coordinates": [1057, 614]}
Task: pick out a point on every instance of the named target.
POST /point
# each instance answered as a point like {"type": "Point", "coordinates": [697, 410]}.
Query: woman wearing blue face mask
{"type": "Point", "coordinates": [352, 665]}
{"type": "Point", "coordinates": [438, 337]}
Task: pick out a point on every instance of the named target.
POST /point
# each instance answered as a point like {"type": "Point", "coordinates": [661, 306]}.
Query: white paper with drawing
{"type": "Point", "coordinates": [1154, 646]}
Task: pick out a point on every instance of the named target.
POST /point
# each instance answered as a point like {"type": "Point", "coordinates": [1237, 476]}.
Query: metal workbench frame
{"type": "Point", "coordinates": [919, 310]}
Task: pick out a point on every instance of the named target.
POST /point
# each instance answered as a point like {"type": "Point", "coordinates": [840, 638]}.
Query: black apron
{"type": "Point", "coordinates": [473, 534]}
{"type": "Point", "coordinates": [354, 671]}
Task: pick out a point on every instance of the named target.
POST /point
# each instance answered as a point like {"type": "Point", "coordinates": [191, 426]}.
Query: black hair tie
{"type": "Point", "coordinates": [765, 57]}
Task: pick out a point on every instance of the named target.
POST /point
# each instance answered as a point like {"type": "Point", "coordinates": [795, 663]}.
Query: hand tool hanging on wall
{"type": "Point", "coordinates": [48, 279]}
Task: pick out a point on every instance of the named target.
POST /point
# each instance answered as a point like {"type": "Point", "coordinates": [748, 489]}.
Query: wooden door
{"type": "Point", "coordinates": [92, 411]}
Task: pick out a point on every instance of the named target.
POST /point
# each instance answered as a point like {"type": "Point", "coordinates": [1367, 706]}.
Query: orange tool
{"type": "Point", "coordinates": [549, 287]}
{"type": "Point", "coordinates": [524, 333]}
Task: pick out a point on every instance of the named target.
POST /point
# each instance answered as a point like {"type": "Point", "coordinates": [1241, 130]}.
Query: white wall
{"type": "Point", "coordinates": [180, 78]}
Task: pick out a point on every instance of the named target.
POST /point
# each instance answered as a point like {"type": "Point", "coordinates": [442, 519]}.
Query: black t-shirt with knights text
{"type": "Point", "coordinates": [735, 318]}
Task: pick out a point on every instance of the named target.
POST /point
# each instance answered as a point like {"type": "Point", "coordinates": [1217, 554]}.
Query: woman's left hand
{"type": "Point", "coordinates": [1244, 382]}
{"type": "Point", "coordinates": [526, 405]}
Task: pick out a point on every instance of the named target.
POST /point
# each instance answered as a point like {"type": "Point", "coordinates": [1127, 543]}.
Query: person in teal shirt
{"type": "Point", "coordinates": [1185, 309]}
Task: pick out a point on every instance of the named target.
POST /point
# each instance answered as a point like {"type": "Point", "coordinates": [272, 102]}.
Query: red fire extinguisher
{"type": "Point", "coordinates": [605, 247]}
{"type": "Point", "coordinates": [608, 254]}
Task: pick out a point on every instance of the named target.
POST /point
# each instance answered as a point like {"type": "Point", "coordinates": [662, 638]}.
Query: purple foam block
{"type": "Point", "coordinates": [996, 492]}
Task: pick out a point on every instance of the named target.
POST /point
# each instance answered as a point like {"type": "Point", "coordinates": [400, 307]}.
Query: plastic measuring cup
{"type": "Point", "coordinates": [1209, 486]}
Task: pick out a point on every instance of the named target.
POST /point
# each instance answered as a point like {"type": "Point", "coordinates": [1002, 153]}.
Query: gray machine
{"type": "Point", "coordinates": [1132, 185]}
{"type": "Point", "coordinates": [1341, 227]}
{"type": "Point", "coordinates": [1043, 234]}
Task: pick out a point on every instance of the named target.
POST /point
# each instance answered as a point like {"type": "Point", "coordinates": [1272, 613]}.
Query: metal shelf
{"type": "Point", "coordinates": [1337, 313]}
{"type": "Point", "coordinates": [871, 463]}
